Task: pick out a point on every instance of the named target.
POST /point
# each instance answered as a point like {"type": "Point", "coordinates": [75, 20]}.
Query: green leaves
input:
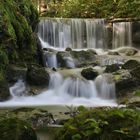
{"type": "Point", "coordinates": [100, 124]}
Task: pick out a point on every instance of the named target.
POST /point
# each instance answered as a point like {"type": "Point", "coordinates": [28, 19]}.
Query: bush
{"type": "Point", "coordinates": [100, 124]}
{"type": "Point", "coordinates": [94, 8]}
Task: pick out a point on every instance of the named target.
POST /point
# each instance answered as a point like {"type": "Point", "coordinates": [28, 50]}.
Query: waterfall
{"type": "Point", "coordinates": [122, 34]}
{"type": "Point", "coordinates": [74, 33]}
{"type": "Point", "coordinates": [66, 91]}
{"type": "Point", "coordinates": [50, 59]}
{"type": "Point", "coordinates": [18, 89]}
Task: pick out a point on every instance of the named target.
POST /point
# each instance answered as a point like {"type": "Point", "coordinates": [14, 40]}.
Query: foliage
{"type": "Point", "coordinates": [101, 124]}
{"type": "Point", "coordinates": [15, 129]}
{"type": "Point", "coordinates": [94, 8]}
{"type": "Point", "coordinates": [17, 19]}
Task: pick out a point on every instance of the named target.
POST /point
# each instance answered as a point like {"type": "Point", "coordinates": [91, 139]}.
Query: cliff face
{"type": "Point", "coordinates": [17, 41]}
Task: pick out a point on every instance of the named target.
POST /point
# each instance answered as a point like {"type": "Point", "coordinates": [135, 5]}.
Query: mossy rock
{"type": "Point", "coordinates": [128, 51]}
{"type": "Point", "coordinates": [14, 73]}
{"type": "Point", "coordinates": [112, 68]}
{"type": "Point", "coordinates": [15, 129]}
{"type": "Point", "coordinates": [89, 73]}
{"type": "Point", "coordinates": [136, 74]}
{"type": "Point", "coordinates": [124, 82]}
{"type": "Point", "coordinates": [37, 76]}
{"type": "Point", "coordinates": [131, 64]}
{"type": "Point", "coordinates": [4, 89]}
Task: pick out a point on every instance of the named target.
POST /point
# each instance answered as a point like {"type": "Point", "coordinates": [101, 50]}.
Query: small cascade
{"type": "Point", "coordinates": [79, 88]}
{"type": "Point", "coordinates": [18, 89]}
{"type": "Point", "coordinates": [122, 34]}
{"type": "Point", "coordinates": [105, 86]}
{"type": "Point", "coordinates": [66, 91]}
{"type": "Point", "coordinates": [51, 60]}
{"type": "Point", "coordinates": [70, 62]}
{"type": "Point", "coordinates": [74, 33]}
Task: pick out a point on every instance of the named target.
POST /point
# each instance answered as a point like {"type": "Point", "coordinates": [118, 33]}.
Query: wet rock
{"type": "Point", "coordinates": [14, 73]}
{"type": "Point", "coordinates": [136, 34]}
{"type": "Point", "coordinates": [15, 129]}
{"type": "Point", "coordinates": [136, 74]}
{"type": "Point", "coordinates": [89, 73]}
{"type": "Point", "coordinates": [4, 90]}
{"type": "Point", "coordinates": [124, 82]}
{"type": "Point", "coordinates": [128, 51]}
{"type": "Point", "coordinates": [112, 68]}
{"type": "Point", "coordinates": [131, 64]}
{"type": "Point", "coordinates": [61, 58]}
{"type": "Point", "coordinates": [37, 76]}
{"type": "Point", "coordinates": [113, 53]}
{"type": "Point", "coordinates": [68, 49]}
{"type": "Point", "coordinates": [84, 58]}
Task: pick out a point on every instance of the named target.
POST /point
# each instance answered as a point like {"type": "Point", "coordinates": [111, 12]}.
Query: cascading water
{"type": "Point", "coordinates": [122, 34]}
{"type": "Point", "coordinates": [68, 91]}
{"type": "Point", "coordinates": [74, 33]}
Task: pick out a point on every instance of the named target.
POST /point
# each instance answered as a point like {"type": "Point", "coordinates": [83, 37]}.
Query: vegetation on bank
{"type": "Point", "coordinates": [102, 124]}
{"type": "Point", "coordinates": [17, 41]}
{"type": "Point", "coordinates": [94, 9]}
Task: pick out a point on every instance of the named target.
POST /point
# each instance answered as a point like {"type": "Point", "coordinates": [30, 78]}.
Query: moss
{"type": "Point", "coordinates": [137, 93]}
{"type": "Point", "coordinates": [17, 19]}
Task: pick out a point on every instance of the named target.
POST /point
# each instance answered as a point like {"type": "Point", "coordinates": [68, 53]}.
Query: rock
{"type": "Point", "coordinates": [113, 53]}
{"type": "Point", "coordinates": [15, 129]}
{"type": "Point", "coordinates": [131, 64]}
{"type": "Point", "coordinates": [136, 34]}
{"type": "Point", "coordinates": [84, 58]}
{"type": "Point", "coordinates": [128, 51]}
{"type": "Point", "coordinates": [4, 90]}
{"type": "Point", "coordinates": [112, 68]}
{"type": "Point", "coordinates": [37, 76]}
{"type": "Point", "coordinates": [14, 73]}
{"type": "Point", "coordinates": [136, 74]}
{"type": "Point", "coordinates": [134, 102]}
{"type": "Point", "coordinates": [61, 58]}
{"type": "Point", "coordinates": [124, 82]}
{"type": "Point", "coordinates": [68, 49]}
{"type": "Point", "coordinates": [89, 73]}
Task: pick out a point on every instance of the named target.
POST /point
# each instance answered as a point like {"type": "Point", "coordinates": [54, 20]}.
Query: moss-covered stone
{"type": "Point", "coordinates": [37, 76]}
{"type": "Point", "coordinates": [112, 68]}
{"type": "Point", "coordinates": [131, 64]}
{"type": "Point", "coordinates": [89, 73]}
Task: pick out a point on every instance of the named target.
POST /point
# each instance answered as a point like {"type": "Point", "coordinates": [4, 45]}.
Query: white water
{"type": "Point", "coordinates": [69, 91]}
{"type": "Point", "coordinates": [122, 34]}
{"type": "Point", "coordinates": [74, 33]}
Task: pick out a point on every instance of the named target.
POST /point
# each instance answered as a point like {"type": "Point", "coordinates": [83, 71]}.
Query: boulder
{"type": "Point", "coordinates": [124, 82]}
{"type": "Point", "coordinates": [112, 68]}
{"type": "Point", "coordinates": [14, 73]}
{"type": "Point", "coordinates": [89, 73]}
{"type": "Point", "coordinates": [61, 58]}
{"type": "Point", "coordinates": [131, 64]}
{"type": "Point", "coordinates": [128, 51]}
{"type": "Point", "coordinates": [15, 129]}
{"type": "Point", "coordinates": [37, 76]}
{"type": "Point", "coordinates": [68, 49]}
{"type": "Point", "coordinates": [84, 58]}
